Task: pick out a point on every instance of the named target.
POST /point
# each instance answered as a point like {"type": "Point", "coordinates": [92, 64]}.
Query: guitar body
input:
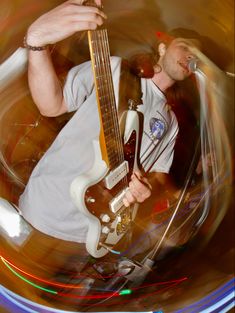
{"type": "Point", "coordinates": [107, 224]}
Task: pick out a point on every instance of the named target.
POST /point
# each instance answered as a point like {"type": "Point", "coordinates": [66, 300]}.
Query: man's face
{"type": "Point", "coordinates": [175, 60]}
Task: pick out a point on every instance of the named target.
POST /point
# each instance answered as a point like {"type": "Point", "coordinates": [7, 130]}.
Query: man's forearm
{"type": "Point", "coordinates": [44, 84]}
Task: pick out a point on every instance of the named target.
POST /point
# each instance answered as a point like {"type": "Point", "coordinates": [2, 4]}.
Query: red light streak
{"type": "Point", "coordinates": [101, 295]}
{"type": "Point", "coordinates": [40, 279]}
{"type": "Point", "coordinates": [50, 282]}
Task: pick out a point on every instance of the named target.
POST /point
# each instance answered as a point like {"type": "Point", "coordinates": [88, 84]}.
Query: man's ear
{"type": "Point", "coordinates": [161, 49]}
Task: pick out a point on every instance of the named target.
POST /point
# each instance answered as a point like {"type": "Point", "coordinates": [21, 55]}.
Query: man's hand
{"type": "Point", "coordinates": [139, 189]}
{"type": "Point", "coordinates": [63, 21]}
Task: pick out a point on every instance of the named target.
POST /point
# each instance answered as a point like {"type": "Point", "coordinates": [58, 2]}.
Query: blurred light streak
{"type": "Point", "coordinates": [53, 283]}
{"type": "Point", "coordinates": [125, 292]}
{"type": "Point", "coordinates": [13, 67]}
{"type": "Point", "coordinates": [25, 304]}
{"type": "Point", "coordinates": [114, 293]}
{"type": "Point", "coordinates": [59, 293]}
{"type": "Point", "coordinates": [11, 91]}
{"type": "Point", "coordinates": [26, 280]}
{"type": "Point", "coordinates": [180, 280]}
{"type": "Point", "coordinates": [4, 14]}
{"type": "Point", "coordinates": [94, 296]}
{"type": "Point", "coordinates": [221, 297]}
{"type": "Point", "coordinates": [145, 296]}
{"type": "Point", "coordinates": [220, 301]}
{"type": "Point", "coordinates": [182, 212]}
{"type": "Point", "coordinates": [106, 296]}
{"type": "Point", "coordinates": [20, 15]}
{"type": "Point", "coordinates": [38, 278]}
{"type": "Point", "coordinates": [214, 138]}
{"type": "Point", "coordinates": [224, 305]}
{"type": "Point", "coordinates": [10, 222]}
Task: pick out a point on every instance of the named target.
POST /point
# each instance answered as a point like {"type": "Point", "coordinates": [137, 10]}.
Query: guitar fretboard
{"type": "Point", "coordinates": [110, 132]}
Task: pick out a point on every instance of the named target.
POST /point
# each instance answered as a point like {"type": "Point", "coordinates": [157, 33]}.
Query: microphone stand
{"type": "Point", "coordinates": [136, 272]}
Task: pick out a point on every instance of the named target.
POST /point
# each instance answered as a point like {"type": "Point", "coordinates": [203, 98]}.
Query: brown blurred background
{"type": "Point", "coordinates": [132, 25]}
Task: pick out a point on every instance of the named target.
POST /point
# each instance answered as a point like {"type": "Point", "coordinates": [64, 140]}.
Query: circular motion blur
{"type": "Point", "coordinates": [171, 251]}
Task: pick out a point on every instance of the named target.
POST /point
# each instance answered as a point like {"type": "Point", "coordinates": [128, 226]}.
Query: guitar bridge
{"type": "Point", "coordinates": [116, 175]}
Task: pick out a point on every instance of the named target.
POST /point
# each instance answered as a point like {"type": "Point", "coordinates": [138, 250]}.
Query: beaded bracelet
{"type": "Point", "coordinates": [32, 47]}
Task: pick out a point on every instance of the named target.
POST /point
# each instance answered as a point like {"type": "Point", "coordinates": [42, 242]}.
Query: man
{"type": "Point", "coordinates": [46, 201]}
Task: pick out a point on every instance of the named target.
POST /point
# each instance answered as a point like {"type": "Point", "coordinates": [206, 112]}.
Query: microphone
{"type": "Point", "coordinates": [193, 65]}
{"type": "Point", "coordinates": [202, 65]}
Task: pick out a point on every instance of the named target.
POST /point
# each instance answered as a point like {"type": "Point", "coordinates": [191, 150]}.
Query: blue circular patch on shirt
{"type": "Point", "coordinates": [157, 128]}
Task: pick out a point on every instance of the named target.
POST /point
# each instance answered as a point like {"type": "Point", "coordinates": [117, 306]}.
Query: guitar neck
{"type": "Point", "coordinates": [110, 138]}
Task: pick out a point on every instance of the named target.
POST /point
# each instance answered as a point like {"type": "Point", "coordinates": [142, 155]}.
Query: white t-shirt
{"type": "Point", "coordinates": [46, 201]}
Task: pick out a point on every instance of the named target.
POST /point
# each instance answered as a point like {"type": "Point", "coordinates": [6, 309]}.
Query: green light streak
{"type": "Point", "coordinates": [27, 281]}
{"type": "Point", "coordinates": [125, 292]}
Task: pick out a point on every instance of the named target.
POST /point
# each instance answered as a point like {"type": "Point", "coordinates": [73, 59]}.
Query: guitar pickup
{"type": "Point", "coordinates": [117, 202]}
{"type": "Point", "coordinates": [116, 175]}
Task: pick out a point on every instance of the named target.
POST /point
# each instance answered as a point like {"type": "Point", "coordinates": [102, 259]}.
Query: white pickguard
{"type": "Point", "coordinates": [94, 175]}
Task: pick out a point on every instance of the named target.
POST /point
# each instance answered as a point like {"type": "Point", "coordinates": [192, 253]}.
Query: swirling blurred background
{"type": "Point", "coordinates": [199, 271]}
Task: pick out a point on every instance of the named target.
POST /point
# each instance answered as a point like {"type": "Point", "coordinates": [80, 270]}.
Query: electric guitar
{"type": "Point", "coordinates": [99, 193]}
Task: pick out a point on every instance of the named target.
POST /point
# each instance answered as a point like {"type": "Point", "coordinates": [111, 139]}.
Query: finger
{"type": "Point", "coordinates": [86, 2]}
{"type": "Point", "coordinates": [138, 185]}
{"type": "Point", "coordinates": [90, 18]}
{"type": "Point", "coordinates": [83, 26]}
{"type": "Point", "coordinates": [98, 2]}
{"type": "Point", "coordinates": [125, 202]}
{"type": "Point", "coordinates": [136, 189]}
{"type": "Point", "coordinates": [130, 197]}
{"type": "Point", "coordinates": [141, 197]}
{"type": "Point", "coordinates": [140, 177]}
{"type": "Point", "coordinates": [141, 182]}
{"type": "Point", "coordinates": [78, 2]}
{"type": "Point", "coordinates": [78, 9]}
{"type": "Point", "coordinates": [139, 190]}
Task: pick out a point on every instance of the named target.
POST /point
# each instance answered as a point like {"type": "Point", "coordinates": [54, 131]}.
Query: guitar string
{"type": "Point", "coordinates": [108, 120]}
{"type": "Point", "coordinates": [99, 56]}
{"type": "Point", "coordinates": [112, 107]}
{"type": "Point", "coordinates": [99, 62]}
{"type": "Point", "coordinates": [124, 180]}
{"type": "Point", "coordinates": [102, 59]}
{"type": "Point", "coordinates": [111, 92]}
{"type": "Point", "coordinates": [101, 87]}
{"type": "Point", "coordinates": [113, 112]}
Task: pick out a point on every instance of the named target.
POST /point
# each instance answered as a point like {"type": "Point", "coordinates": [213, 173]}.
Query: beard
{"type": "Point", "coordinates": [175, 69]}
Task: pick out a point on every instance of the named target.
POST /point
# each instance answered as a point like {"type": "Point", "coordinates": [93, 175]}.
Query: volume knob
{"type": "Point", "coordinates": [105, 218]}
{"type": "Point", "coordinates": [105, 230]}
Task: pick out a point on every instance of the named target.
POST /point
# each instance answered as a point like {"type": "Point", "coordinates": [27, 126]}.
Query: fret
{"type": "Point", "coordinates": [113, 154]}
{"type": "Point", "coordinates": [95, 40]}
{"type": "Point", "coordinates": [103, 80]}
{"type": "Point", "coordinates": [107, 101]}
{"type": "Point", "coordinates": [112, 150]}
{"type": "Point", "coordinates": [101, 76]}
{"type": "Point", "coordinates": [108, 128]}
{"type": "Point", "coordinates": [114, 160]}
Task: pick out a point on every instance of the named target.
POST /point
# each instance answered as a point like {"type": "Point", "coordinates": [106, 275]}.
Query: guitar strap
{"type": "Point", "coordinates": [129, 88]}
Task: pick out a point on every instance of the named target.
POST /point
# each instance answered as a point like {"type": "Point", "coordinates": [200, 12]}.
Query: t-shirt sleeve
{"type": "Point", "coordinates": [79, 83]}
{"type": "Point", "coordinates": [78, 86]}
{"type": "Point", "coordinates": [165, 158]}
